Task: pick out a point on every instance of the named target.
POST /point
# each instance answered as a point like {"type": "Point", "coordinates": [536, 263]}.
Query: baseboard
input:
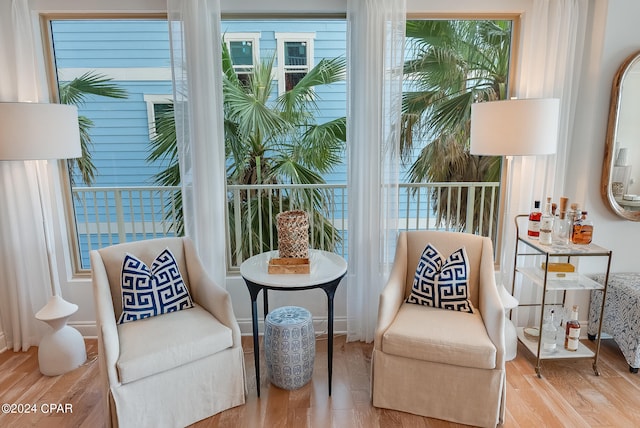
{"type": "Point", "coordinates": [86, 328]}
{"type": "Point", "coordinates": [319, 325]}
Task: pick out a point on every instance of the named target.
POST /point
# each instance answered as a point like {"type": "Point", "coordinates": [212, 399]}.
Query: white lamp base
{"type": "Point", "coordinates": [510, 333]}
{"type": "Point", "coordinates": [63, 349]}
{"type": "Point", "coordinates": [510, 340]}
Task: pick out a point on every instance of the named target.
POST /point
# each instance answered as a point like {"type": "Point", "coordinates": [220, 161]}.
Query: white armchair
{"type": "Point", "coordinates": [169, 370]}
{"type": "Point", "coordinates": [441, 363]}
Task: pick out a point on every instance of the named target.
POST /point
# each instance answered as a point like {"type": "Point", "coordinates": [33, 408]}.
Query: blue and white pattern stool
{"type": "Point", "coordinates": [289, 346]}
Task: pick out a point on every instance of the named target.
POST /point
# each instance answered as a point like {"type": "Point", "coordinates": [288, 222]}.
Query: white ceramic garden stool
{"type": "Point", "coordinates": [289, 346]}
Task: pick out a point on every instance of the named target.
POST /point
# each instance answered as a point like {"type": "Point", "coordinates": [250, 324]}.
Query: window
{"type": "Point", "coordinates": [156, 104]}
{"type": "Point", "coordinates": [449, 64]}
{"type": "Point", "coordinates": [128, 61]}
{"type": "Point", "coordinates": [295, 58]}
{"type": "Point", "coordinates": [244, 49]}
{"type": "Point", "coordinates": [123, 202]}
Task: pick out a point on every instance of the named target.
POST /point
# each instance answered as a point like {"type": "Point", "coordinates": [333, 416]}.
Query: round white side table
{"type": "Point", "coordinates": [326, 271]}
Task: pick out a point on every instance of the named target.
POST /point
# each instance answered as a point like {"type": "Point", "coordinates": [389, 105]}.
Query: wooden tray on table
{"type": "Point", "coordinates": [288, 265]}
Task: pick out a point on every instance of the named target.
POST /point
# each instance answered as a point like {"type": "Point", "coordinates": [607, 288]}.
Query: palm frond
{"type": "Point", "coordinates": [322, 145]}
{"type": "Point", "coordinates": [90, 83]}
{"type": "Point", "coordinates": [302, 96]}
{"type": "Point", "coordinates": [75, 93]}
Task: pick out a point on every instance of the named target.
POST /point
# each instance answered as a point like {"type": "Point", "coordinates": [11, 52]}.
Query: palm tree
{"type": "Point", "coordinates": [164, 148]}
{"type": "Point", "coordinates": [75, 92]}
{"type": "Point", "coordinates": [455, 64]}
{"type": "Point", "coordinates": [270, 142]}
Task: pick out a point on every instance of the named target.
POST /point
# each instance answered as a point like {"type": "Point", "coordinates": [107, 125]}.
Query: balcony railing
{"type": "Point", "coordinates": [110, 215]}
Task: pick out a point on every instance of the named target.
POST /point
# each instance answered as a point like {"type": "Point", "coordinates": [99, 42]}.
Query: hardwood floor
{"type": "Point", "coordinates": [568, 395]}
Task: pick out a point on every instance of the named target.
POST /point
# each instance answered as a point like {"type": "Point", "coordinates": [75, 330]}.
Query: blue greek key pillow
{"type": "Point", "coordinates": [442, 283]}
{"type": "Point", "coordinates": [150, 292]}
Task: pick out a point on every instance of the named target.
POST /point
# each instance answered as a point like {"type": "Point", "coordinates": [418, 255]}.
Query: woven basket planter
{"type": "Point", "coordinates": [293, 234]}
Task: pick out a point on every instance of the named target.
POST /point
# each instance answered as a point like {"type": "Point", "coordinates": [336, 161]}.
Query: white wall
{"type": "Point", "coordinates": [613, 34]}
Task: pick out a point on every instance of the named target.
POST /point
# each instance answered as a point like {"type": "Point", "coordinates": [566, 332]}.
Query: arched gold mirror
{"type": "Point", "coordinates": [620, 186]}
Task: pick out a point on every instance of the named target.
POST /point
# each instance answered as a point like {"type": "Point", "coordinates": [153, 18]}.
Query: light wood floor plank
{"type": "Point", "coordinates": [567, 395]}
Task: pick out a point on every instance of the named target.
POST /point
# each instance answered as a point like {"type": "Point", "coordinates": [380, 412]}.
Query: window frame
{"type": "Point", "coordinates": [254, 38]}
{"type": "Point", "coordinates": [74, 260]}
{"type": "Point", "coordinates": [516, 17]}
{"type": "Point", "coordinates": [286, 37]}
{"type": "Point", "coordinates": [151, 100]}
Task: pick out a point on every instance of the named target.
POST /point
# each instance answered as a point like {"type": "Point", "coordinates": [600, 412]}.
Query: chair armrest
{"type": "Point", "coordinates": [105, 318]}
{"type": "Point", "coordinates": [490, 304]}
{"type": "Point", "coordinates": [392, 295]}
{"type": "Point", "coordinates": [205, 292]}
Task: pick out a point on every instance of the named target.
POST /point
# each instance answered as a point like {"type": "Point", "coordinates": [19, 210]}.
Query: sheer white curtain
{"type": "Point", "coordinates": [25, 284]}
{"type": "Point", "coordinates": [196, 53]}
{"type": "Point", "coordinates": [376, 43]}
{"type": "Point", "coordinates": [552, 51]}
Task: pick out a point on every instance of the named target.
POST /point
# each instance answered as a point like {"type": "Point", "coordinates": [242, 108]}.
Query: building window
{"type": "Point", "coordinates": [295, 58]}
{"type": "Point", "coordinates": [245, 50]}
{"type": "Point", "coordinates": [156, 104]}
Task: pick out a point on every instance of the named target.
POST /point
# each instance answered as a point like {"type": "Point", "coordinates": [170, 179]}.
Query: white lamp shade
{"type": "Point", "coordinates": [33, 131]}
{"type": "Point", "coordinates": [518, 127]}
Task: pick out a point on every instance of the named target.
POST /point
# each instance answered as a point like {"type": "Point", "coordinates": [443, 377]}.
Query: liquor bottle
{"type": "Point", "coordinates": [549, 335]}
{"type": "Point", "coordinates": [562, 224]}
{"type": "Point", "coordinates": [546, 225]}
{"type": "Point", "coordinates": [582, 230]}
{"type": "Point", "coordinates": [573, 215]}
{"type": "Point", "coordinates": [572, 331]}
{"type": "Point", "coordinates": [533, 229]}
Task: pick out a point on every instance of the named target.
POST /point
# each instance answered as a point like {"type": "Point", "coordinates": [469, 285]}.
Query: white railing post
{"type": "Point", "coordinates": [122, 235]}
{"type": "Point", "coordinates": [471, 202]}
{"type": "Point", "coordinates": [237, 218]}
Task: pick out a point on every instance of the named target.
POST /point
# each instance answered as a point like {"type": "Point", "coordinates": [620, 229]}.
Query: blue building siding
{"type": "Point", "coordinates": [121, 133]}
{"type": "Point", "coordinates": [111, 43]}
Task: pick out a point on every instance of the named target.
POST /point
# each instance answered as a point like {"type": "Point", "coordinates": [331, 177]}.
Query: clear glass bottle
{"type": "Point", "coordinates": [533, 228]}
{"type": "Point", "coordinates": [546, 225]}
{"type": "Point", "coordinates": [562, 224]}
{"type": "Point", "coordinates": [572, 331]}
{"type": "Point", "coordinates": [549, 334]}
{"type": "Point", "coordinates": [582, 230]}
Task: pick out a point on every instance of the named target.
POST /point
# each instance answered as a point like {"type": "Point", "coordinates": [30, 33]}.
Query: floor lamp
{"type": "Point", "coordinates": [516, 127]}
{"type": "Point", "coordinates": [33, 131]}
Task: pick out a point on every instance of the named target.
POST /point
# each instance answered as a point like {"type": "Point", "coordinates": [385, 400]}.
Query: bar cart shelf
{"type": "Point", "coordinates": [542, 278]}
